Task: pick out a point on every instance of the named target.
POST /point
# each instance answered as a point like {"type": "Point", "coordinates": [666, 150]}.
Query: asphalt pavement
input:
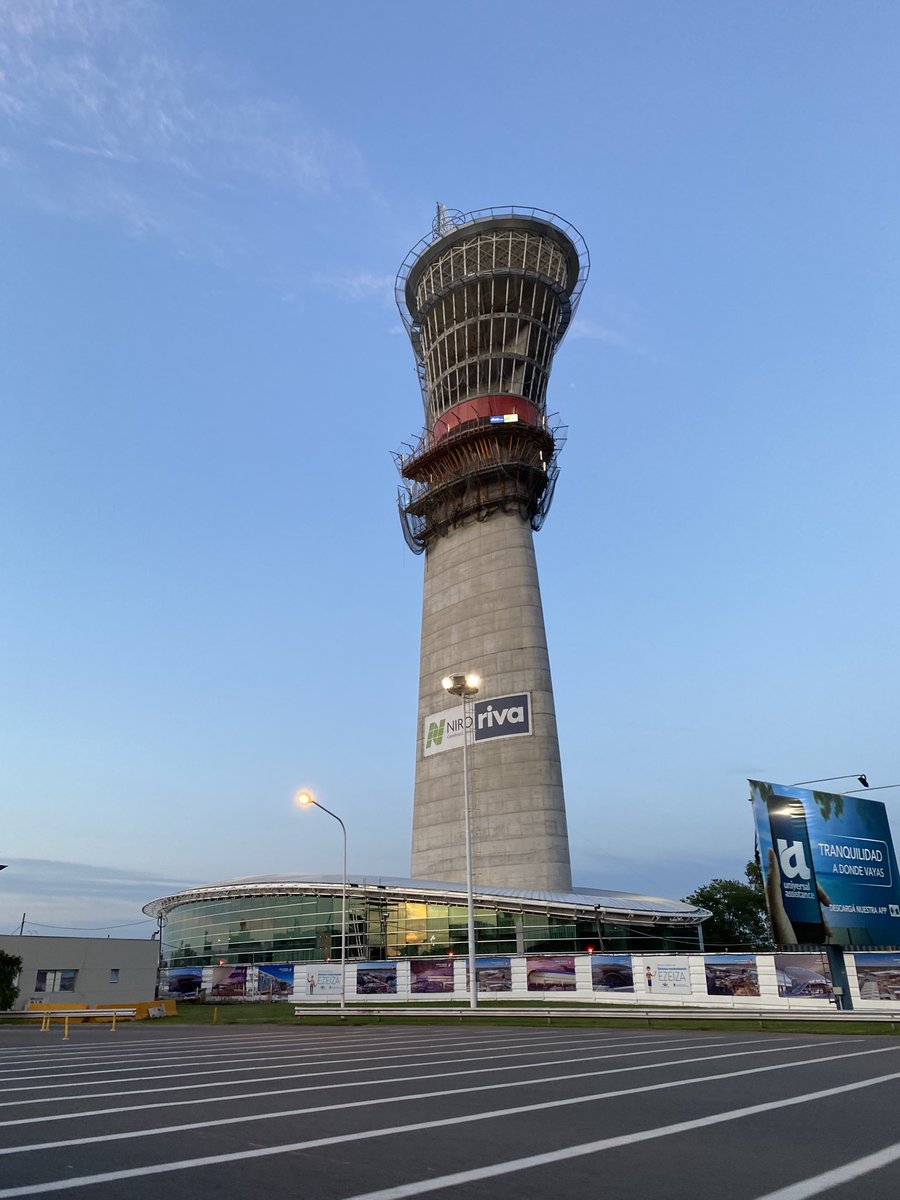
{"type": "Point", "coordinates": [381, 1113]}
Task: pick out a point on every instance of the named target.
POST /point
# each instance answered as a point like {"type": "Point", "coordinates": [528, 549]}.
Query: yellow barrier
{"type": "Point", "coordinates": [74, 1013]}
{"type": "Point", "coordinates": [142, 1009]}
{"type": "Point", "coordinates": [66, 1014]}
{"type": "Point", "coordinates": [154, 1008]}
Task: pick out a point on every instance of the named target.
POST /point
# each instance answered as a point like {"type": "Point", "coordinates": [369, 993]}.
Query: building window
{"type": "Point", "coordinates": [55, 981]}
{"type": "Point", "coordinates": [113, 974]}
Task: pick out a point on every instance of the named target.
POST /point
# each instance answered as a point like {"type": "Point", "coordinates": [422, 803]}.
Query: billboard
{"type": "Point", "coordinates": [181, 982]}
{"type": "Point", "coordinates": [612, 973]}
{"type": "Point", "coordinates": [275, 979]}
{"type": "Point", "coordinates": [228, 983]}
{"type": "Point", "coordinates": [493, 973]}
{"type": "Point", "coordinates": [667, 975]}
{"type": "Point", "coordinates": [804, 975]}
{"type": "Point", "coordinates": [431, 975]}
{"type": "Point", "coordinates": [550, 972]}
{"type": "Point", "coordinates": [376, 979]}
{"type": "Point", "coordinates": [731, 975]}
{"type": "Point", "coordinates": [487, 720]}
{"type": "Point", "coordinates": [878, 975]}
{"type": "Point", "coordinates": [828, 865]}
{"type": "Point", "coordinates": [317, 980]}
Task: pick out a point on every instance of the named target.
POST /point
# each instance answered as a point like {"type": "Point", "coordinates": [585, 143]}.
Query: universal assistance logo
{"type": "Point", "coordinates": [793, 859]}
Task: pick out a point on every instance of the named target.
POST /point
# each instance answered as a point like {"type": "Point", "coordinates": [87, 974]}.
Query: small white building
{"type": "Point", "coordinates": [81, 970]}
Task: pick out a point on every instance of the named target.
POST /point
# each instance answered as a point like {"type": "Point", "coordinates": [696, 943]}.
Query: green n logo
{"type": "Point", "coordinates": [435, 733]}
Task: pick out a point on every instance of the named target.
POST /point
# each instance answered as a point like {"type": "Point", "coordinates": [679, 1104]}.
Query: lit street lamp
{"type": "Point", "coordinates": [466, 686]}
{"type": "Point", "coordinates": [304, 800]}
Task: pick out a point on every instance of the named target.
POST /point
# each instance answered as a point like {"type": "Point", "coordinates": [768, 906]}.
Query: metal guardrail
{"type": "Point", "coordinates": [46, 1015]}
{"type": "Point", "coordinates": [637, 1014]}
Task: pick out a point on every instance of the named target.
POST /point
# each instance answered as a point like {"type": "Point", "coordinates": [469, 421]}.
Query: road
{"type": "Point", "coordinates": [382, 1113]}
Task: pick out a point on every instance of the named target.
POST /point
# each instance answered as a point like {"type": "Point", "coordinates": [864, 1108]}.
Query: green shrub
{"type": "Point", "coordinates": [10, 966]}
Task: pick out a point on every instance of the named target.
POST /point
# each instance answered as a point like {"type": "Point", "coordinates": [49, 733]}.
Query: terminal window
{"type": "Point", "coordinates": [55, 981]}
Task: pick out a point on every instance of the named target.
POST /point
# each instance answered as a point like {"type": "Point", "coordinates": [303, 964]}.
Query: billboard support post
{"type": "Point", "coordinates": [843, 999]}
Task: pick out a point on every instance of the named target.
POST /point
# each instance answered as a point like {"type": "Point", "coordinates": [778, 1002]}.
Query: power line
{"type": "Point", "coordinates": [127, 925]}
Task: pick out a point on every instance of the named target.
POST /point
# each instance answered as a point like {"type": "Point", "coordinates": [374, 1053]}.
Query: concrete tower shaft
{"type": "Point", "coordinates": [481, 612]}
{"type": "Point", "coordinates": [486, 299]}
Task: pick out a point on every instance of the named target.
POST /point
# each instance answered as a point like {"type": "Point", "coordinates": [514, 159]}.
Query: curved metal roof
{"type": "Point", "coordinates": [609, 905]}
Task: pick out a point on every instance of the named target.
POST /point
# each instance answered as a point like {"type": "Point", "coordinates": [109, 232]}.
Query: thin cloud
{"type": "Point", "coordinates": [360, 285]}
{"type": "Point", "coordinates": [47, 876]}
{"type": "Point", "coordinates": [91, 151]}
{"type": "Point", "coordinates": [93, 199]}
{"type": "Point", "coordinates": [670, 876]}
{"type": "Point", "coordinates": [584, 329]}
{"type": "Point", "coordinates": [103, 118]}
{"type": "Point", "coordinates": [616, 332]}
{"type": "Point", "coordinates": [64, 896]}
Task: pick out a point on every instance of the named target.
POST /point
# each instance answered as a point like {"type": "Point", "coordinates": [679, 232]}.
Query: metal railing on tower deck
{"type": "Point", "coordinates": [486, 298]}
{"type": "Point", "coordinates": [493, 466]}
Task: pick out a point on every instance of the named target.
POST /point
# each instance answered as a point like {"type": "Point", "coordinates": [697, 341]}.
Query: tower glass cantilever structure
{"type": "Point", "coordinates": [486, 299]}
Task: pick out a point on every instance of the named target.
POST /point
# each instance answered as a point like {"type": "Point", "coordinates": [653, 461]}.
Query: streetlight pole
{"type": "Point", "coordinates": [304, 800]}
{"type": "Point", "coordinates": [830, 779]}
{"type": "Point", "coordinates": [466, 686]}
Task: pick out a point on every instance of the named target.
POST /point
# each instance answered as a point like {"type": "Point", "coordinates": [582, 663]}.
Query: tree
{"type": "Point", "coordinates": [738, 920]}
{"type": "Point", "coordinates": [10, 966]}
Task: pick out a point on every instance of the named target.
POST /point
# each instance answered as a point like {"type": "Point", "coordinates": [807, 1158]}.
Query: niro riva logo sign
{"type": "Point", "coordinates": [435, 735]}
{"type": "Point", "coordinates": [506, 716]}
{"type": "Point", "coordinates": [488, 720]}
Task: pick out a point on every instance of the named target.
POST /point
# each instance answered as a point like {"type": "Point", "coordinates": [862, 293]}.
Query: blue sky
{"type": "Point", "coordinates": [206, 601]}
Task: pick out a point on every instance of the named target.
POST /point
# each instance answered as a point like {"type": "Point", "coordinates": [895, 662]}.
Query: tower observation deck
{"type": "Point", "coordinates": [486, 299]}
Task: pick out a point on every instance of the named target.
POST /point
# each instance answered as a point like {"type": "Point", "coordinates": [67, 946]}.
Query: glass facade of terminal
{"type": "Point", "coordinates": [307, 928]}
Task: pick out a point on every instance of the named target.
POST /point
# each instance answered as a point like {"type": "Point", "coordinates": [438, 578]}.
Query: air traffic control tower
{"type": "Point", "coordinates": [486, 298]}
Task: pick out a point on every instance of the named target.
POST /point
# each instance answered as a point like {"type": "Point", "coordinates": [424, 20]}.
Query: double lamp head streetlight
{"type": "Point", "coordinates": [466, 685]}
{"type": "Point", "coordinates": [463, 685]}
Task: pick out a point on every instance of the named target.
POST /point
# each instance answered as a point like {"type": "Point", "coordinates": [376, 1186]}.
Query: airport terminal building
{"type": "Point", "coordinates": [297, 918]}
